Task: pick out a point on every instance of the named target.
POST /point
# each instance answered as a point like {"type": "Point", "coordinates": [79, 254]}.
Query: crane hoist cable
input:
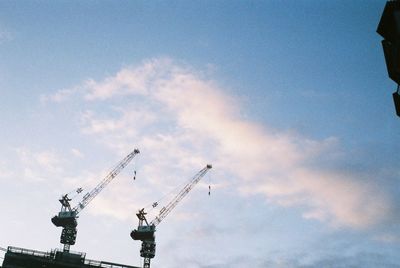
{"type": "Point", "coordinates": [67, 217]}
{"type": "Point", "coordinates": [145, 230]}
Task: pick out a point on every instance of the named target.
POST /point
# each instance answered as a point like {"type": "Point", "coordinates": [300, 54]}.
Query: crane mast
{"type": "Point", "coordinates": [145, 230]}
{"type": "Point", "coordinates": [67, 217]}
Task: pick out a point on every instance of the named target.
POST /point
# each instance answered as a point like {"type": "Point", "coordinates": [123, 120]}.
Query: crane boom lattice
{"type": "Point", "coordinates": [92, 194]}
{"type": "Point", "coordinates": [171, 205]}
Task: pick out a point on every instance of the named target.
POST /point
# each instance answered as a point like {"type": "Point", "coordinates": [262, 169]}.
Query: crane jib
{"type": "Point", "coordinates": [92, 194]}
{"type": "Point", "coordinates": [145, 233]}
{"type": "Point", "coordinates": [186, 189]}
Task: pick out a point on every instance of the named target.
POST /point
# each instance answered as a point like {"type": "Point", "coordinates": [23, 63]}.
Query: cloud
{"type": "Point", "coordinates": [183, 120]}
{"type": "Point", "coordinates": [5, 36]}
{"type": "Point", "coordinates": [38, 165]}
{"type": "Point", "coordinates": [127, 81]}
{"type": "Point", "coordinates": [333, 197]}
{"type": "Point", "coordinates": [60, 96]}
{"type": "Point", "coordinates": [387, 238]}
{"type": "Point", "coordinates": [5, 171]}
{"type": "Point", "coordinates": [130, 120]}
{"type": "Point", "coordinates": [361, 259]}
{"type": "Point", "coordinates": [77, 153]}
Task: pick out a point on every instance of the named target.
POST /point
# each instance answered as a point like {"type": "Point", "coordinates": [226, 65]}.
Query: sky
{"type": "Point", "coordinates": [288, 100]}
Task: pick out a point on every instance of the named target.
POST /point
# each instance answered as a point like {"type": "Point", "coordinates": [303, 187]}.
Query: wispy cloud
{"type": "Point", "coordinates": [5, 171]}
{"type": "Point", "coordinates": [180, 119]}
{"type": "Point", "coordinates": [38, 165]}
{"type": "Point", "coordinates": [5, 36]}
{"type": "Point", "coordinates": [361, 259]}
{"type": "Point", "coordinates": [77, 153]}
{"type": "Point", "coordinates": [387, 238]}
{"type": "Point", "coordinates": [59, 96]}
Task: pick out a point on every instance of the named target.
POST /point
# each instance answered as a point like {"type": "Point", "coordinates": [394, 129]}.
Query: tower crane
{"type": "Point", "coordinates": [145, 230]}
{"type": "Point", "coordinates": [67, 217]}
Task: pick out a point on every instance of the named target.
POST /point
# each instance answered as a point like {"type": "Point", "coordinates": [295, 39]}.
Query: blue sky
{"type": "Point", "coordinates": [289, 100]}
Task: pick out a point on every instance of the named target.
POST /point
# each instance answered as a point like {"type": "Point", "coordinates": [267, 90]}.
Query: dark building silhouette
{"type": "Point", "coordinates": [27, 258]}
{"type": "Point", "coordinates": [389, 29]}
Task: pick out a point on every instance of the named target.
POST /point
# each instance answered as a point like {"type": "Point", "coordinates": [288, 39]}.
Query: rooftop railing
{"type": "Point", "coordinates": [105, 264]}
{"type": "Point", "coordinates": [29, 252]}
{"type": "Point", "coordinates": [51, 255]}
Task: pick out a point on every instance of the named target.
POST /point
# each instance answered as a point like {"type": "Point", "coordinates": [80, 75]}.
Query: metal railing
{"type": "Point", "coordinates": [105, 264]}
{"type": "Point", "coordinates": [29, 252]}
{"type": "Point", "coordinates": [51, 255]}
{"type": "Point", "coordinates": [2, 255]}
